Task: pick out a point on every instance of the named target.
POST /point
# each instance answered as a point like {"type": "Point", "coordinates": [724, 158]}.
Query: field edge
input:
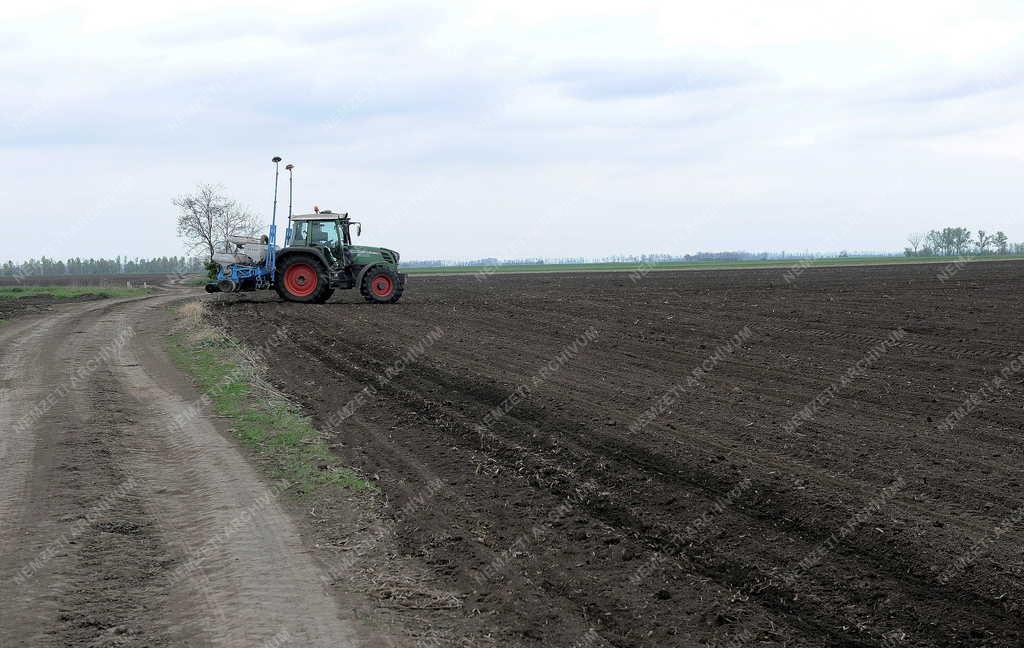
{"type": "Point", "coordinates": [262, 419]}
{"type": "Point", "coordinates": [642, 268]}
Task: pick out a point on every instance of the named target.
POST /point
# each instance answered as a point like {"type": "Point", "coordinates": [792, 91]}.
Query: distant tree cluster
{"type": "Point", "coordinates": [727, 256]}
{"type": "Point", "coordinates": [46, 267]}
{"type": "Point", "coordinates": [959, 241]}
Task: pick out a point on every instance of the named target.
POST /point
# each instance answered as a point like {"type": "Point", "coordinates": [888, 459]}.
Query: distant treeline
{"type": "Point", "coordinates": [636, 259]}
{"type": "Point", "coordinates": [949, 241]}
{"type": "Point", "coordinates": [959, 241]}
{"type": "Point", "coordinates": [46, 267]}
{"type": "Point", "coordinates": [619, 258]}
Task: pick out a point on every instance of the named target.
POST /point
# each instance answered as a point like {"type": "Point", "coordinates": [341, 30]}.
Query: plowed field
{"type": "Point", "coordinates": [689, 458]}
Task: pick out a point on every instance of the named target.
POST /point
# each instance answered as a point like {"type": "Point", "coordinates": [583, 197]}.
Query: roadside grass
{"type": "Point", "coordinates": [263, 419]}
{"type": "Point", "coordinates": [197, 281]}
{"type": "Point", "coordinates": [69, 292]}
{"type": "Point", "coordinates": [690, 265]}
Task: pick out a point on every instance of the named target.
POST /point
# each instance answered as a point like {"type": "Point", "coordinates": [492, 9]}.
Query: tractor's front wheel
{"type": "Point", "coordinates": [381, 285]}
{"type": "Point", "coordinates": [302, 279]}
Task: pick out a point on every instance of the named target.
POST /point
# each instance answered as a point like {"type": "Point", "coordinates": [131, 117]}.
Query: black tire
{"type": "Point", "coordinates": [381, 285]}
{"type": "Point", "coordinates": [327, 295]}
{"type": "Point", "coordinates": [302, 278]}
{"type": "Point", "coordinates": [398, 291]}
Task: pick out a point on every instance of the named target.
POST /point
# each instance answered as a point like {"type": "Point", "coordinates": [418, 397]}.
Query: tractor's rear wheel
{"type": "Point", "coordinates": [302, 279]}
{"type": "Point", "coordinates": [381, 285]}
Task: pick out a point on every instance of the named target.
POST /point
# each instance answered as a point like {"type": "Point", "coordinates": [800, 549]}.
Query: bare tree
{"type": "Point", "coordinates": [1001, 242]}
{"type": "Point", "coordinates": [915, 241]}
{"type": "Point", "coordinates": [960, 238]}
{"type": "Point", "coordinates": [207, 217]}
{"type": "Point", "coordinates": [984, 240]}
{"type": "Point", "coordinates": [936, 241]}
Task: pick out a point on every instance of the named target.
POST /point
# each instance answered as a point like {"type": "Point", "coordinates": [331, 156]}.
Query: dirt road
{"type": "Point", "coordinates": [119, 527]}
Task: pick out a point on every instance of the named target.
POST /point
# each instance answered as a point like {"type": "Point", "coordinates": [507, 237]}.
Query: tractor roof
{"type": "Point", "coordinates": [317, 217]}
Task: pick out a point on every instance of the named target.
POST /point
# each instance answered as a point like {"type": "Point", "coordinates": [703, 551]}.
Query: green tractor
{"type": "Point", "coordinates": [318, 257]}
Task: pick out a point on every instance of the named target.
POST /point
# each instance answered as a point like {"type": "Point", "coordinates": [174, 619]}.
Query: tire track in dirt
{"type": "Point", "coordinates": [250, 573]}
{"type": "Point", "coordinates": [518, 457]}
{"type": "Point", "coordinates": [20, 381]}
{"type": "Point", "coordinates": [105, 503]}
{"type": "Point", "coordinates": [770, 508]}
{"type": "Point", "coordinates": [362, 364]}
{"type": "Point", "coordinates": [63, 475]}
{"type": "Point", "coordinates": [455, 518]}
{"type": "Point", "coordinates": [466, 515]}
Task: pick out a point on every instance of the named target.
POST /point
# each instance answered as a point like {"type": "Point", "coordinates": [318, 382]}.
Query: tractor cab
{"type": "Point", "coordinates": [322, 229]}
{"type": "Point", "coordinates": [326, 229]}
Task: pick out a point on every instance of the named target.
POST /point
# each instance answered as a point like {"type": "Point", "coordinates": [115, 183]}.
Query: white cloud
{"type": "Point", "coordinates": [514, 128]}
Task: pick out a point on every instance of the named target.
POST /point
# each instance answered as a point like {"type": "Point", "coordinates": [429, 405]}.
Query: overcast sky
{"type": "Point", "coordinates": [463, 130]}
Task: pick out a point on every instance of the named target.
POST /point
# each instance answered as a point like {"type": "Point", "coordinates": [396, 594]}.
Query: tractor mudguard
{"type": "Point", "coordinates": [284, 253]}
{"type": "Point", "coordinates": [362, 273]}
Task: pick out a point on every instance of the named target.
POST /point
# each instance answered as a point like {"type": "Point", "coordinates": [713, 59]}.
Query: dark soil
{"type": "Point", "coordinates": [564, 525]}
{"type": "Point", "coordinates": [15, 307]}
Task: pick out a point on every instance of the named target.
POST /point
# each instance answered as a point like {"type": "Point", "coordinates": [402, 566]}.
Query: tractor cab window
{"type": "Point", "coordinates": [300, 233]}
{"type": "Point", "coordinates": [324, 233]}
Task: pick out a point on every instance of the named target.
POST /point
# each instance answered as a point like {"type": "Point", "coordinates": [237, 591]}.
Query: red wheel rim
{"type": "Point", "coordinates": [381, 286]}
{"type": "Point", "coordinates": [300, 280]}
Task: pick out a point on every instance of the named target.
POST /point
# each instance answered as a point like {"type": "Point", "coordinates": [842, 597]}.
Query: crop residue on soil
{"type": "Point", "coordinates": [715, 520]}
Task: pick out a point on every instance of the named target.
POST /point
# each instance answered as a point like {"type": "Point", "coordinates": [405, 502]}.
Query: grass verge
{"type": "Point", "coordinates": [69, 292]}
{"type": "Point", "coordinates": [262, 418]}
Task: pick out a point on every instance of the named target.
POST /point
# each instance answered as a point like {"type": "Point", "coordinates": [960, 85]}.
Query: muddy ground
{"type": "Point", "coordinates": [580, 516]}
